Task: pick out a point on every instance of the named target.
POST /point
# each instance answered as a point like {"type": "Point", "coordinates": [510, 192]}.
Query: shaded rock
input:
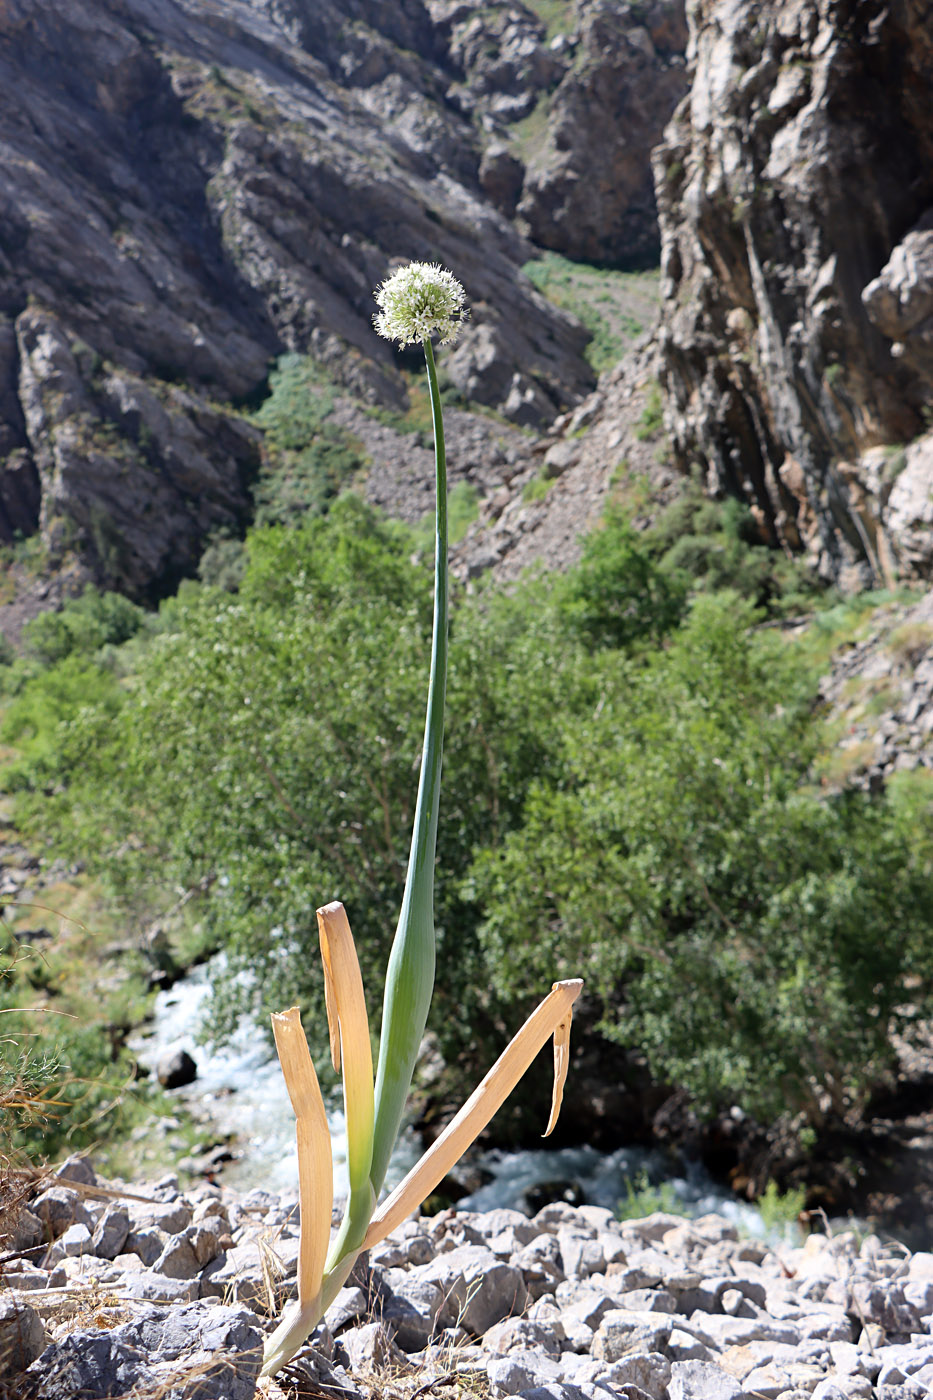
{"type": "Point", "coordinates": [22, 1336]}
{"type": "Point", "coordinates": [111, 1232]}
{"type": "Point", "coordinates": [176, 1070]}
{"type": "Point", "coordinates": [58, 1208]}
{"type": "Point", "coordinates": [595, 201]}
{"type": "Point", "coordinates": [786, 183]}
{"type": "Point", "coordinates": [77, 1169]}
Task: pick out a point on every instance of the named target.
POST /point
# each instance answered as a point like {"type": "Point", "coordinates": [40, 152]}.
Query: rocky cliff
{"type": "Point", "coordinates": [188, 189]}
{"type": "Point", "coordinates": [795, 192]}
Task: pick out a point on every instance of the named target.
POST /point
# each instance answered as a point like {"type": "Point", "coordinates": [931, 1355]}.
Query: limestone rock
{"type": "Point", "coordinates": [22, 1336]}
{"type": "Point", "coordinates": [793, 185]}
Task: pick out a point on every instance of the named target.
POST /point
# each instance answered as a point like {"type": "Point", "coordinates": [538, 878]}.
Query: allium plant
{"type": "Point", "coordinates": [415, 303]}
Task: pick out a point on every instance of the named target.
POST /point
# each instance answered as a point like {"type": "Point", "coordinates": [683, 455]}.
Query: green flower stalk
{"type": "Point", "coordinates": [415, 303]}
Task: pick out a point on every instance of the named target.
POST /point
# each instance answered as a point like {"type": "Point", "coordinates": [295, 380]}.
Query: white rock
{"type": "Point", "coordinates": [699, 1380]}
{"type": "Point", "coordinates": [649, 1370]}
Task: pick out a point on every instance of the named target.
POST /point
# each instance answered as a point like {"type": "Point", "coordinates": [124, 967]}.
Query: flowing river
{"type": "Point", "coordinates": [240, 1091]}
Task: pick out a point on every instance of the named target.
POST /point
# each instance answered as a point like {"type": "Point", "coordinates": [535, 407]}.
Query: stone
{"type": "Point", "coordinates": [764, 302]}
{"type": "Point", "coordinates": [111, 1231]}
{"type": "Point", "coordinates": [541, 1264]}
{"type": "Point", "coordinates": [413, 1312]}
{"type": "Point", "coordinates": [205, 1239]}
{"type": "Point", "coordinates": [478, 1289]}
{"type": "Point", "coordinates": [372, 1348]}
{"type": "Point", "coordinates": [700, 1380]}
{"type": "Point", "coordinates": [75, 1240]}
{"type": "Point", "coordinates": [22, 1336]}
{"type": "Point", "coordinates": [148, 1286]}
{"type": "Point", "coordinates": [24, 1231]}
{"type": "Point", "coordinates": [178, 1260]}
{"type": "Point", "coordinates": [620, 1333]}
{"type": "Point", "coordinates": [148, 1243]}
{"type": "Point", "coordinates": [77, 1169]}
{"type": "Point", "coordinates": [521, 1370]}
{"type": "Point", "coordinates": [89, 1364]}
{"type": "Point", "coordinates": [520, 1332]}
{"type": "Point", "coordinates": [167, 1334]}
{"type": "Point", "coordinates": [177, 1069]}
{"type": "Point", "coordinates": [649, 1370]}
{"type": "Point", "coordinates": [171, 1217]}
{"type": "Point", "coordinates": [58, 1208]}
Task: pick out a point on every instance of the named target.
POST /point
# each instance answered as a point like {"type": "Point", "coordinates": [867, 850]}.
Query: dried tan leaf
{"type": "Point", "coordinates": [349, 1035]}
{"type": "Point", "coordinates": [315, 1162]}
{"type": "Point", "coordinates": [486, 1098]}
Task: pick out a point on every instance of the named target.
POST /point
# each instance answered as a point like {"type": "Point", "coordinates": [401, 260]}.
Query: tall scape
{"type": "Point", "coordinates": [415, 303]}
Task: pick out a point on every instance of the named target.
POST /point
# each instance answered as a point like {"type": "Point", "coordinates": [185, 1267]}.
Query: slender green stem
{"type": "Point", "coordinates": [410, 975]}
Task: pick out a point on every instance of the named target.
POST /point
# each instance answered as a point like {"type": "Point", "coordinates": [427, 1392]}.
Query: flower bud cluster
{"type": "Point", "coordinates": [418, 301]}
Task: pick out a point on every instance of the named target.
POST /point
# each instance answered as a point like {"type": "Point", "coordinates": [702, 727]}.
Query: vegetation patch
{"type": "Point", "coordinates": [615, 307]}
{"type": "Point", "coordinates": [307, 459]}
{"type": "Point", "coordinates": [632, 792]}
{"type": "Point", "coordinates": [557, 15]}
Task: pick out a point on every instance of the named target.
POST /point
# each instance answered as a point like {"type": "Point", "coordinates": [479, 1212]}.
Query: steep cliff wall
{"type": "Point", "coordinates": [189, 189]}
{"type": "Point", "coordinates": [795, 192]}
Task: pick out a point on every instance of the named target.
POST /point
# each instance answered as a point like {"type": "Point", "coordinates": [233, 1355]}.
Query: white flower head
{"type": "Point", "coordinates": [418, 300]}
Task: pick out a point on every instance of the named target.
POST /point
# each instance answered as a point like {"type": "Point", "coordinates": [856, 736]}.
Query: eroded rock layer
{"type": "Point", "coordinates": [795, 189]}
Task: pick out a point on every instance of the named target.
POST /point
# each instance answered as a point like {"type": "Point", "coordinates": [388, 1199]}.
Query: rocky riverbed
{"type": "Point", "coordinates": [108, 1290]}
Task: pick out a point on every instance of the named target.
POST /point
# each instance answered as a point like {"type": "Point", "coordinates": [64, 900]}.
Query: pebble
{"type": "Point", "coordinates": [122, 1293]}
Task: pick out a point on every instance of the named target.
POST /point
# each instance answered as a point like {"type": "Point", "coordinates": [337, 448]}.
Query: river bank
{"type": "Point", "coordinates": [877, 1171]}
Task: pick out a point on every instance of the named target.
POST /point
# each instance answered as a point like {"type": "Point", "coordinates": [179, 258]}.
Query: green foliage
{"type": "Point", "coordinates": [49, 700]}
{"type": "Point", "coordinates": [780, 1210]}
{"type": "Point", "coordinates": [754, 941]}
{"type": "Point", "coordinates": [614, 306]}
{"type": "Point", "coordinates": [642, 1198]}
{"type": "Point", "coordinates": [223, 563]}
{"type": "Point", "coordinates": [537, 488]}
{"type": "Point", "coordinates": [266, 747]}
{"type": "Point", "coordinates": [618, 596]}
{"type": "Point", "coordinates": [59, 1075]}
{"type": "Point", "coordinates": [308, 460]}
{"type": "Point", "coordinates": [717, 544]}
{"type": "Point", "coordinates": [462, 510]}
{"type": "Point", "coordinates": [652, 417]}
{"type": "Point", "coordinates": [628, 796]}
{"type": "Point", "coordinates": [82, 627]}
{"type": "Point", "coordinates": [557, 15]}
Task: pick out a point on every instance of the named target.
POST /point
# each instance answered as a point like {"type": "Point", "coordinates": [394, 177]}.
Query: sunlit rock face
{"type": "Point", "coordinates": [795, 189]}
{"type": "Point", "coordinates": [189, 190]}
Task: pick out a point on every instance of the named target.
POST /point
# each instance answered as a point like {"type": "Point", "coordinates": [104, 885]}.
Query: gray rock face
{"type": "Point", "coordinates": [794, 185]}
{"type": "Point", "coordinates": [593, 199]}
{"type": "Point", "coordinates": [190, 190]}
{"type": "Point", "coordinates": [616, 69]}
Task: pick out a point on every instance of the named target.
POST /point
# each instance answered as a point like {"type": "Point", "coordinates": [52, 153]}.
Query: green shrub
{"type": "Point", "coordinates": [780, 1210]}
{"type": "Point", "coordinates": [82, 626]}
{"type": "Point", "coordinates": [308, 460]}
{"type": "Point", "coordinates": [641, 1199]}
{"type": "Point", "coordinates": [628, 792]}
{"type": "Point", "coordinates": [755, 942]}
{"type": "Point", "coordinates": [617, 595]}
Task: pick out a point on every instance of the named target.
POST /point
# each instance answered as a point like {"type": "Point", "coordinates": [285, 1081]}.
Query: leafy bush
{"type": "Point", "coordinates": [617, 595]}
{"type": "Point", "coordinates": [82, 627]}
{"type": "Point", "coordinates": [718, 544]}
{"type": "Point", "coordinates": [307, 460]}
{"type": "Point", "coordinates": [627, 792]}
{"type": "Point", "coordinates": [754, 941]}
